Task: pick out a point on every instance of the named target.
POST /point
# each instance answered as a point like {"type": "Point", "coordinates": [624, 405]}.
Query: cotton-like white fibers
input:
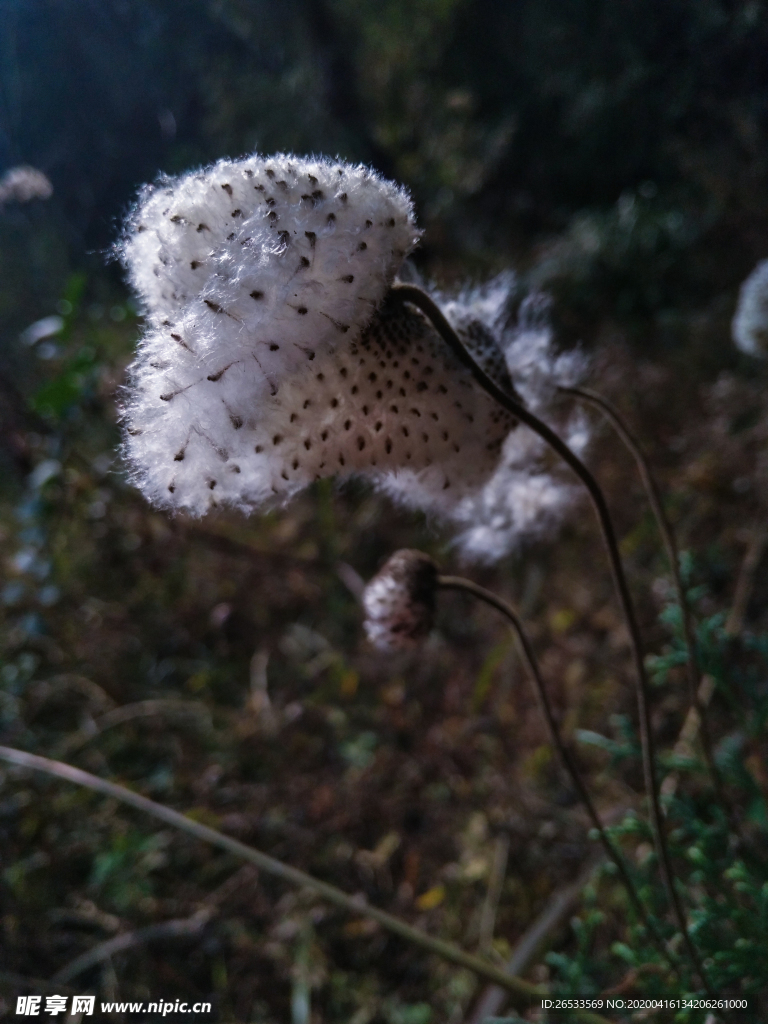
{"type": "Point", "coordinates": [275, 357]}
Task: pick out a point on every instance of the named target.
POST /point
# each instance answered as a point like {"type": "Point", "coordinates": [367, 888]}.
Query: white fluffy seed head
{"type": "Point", "coordinates": [399, 601]}
{"type": "Point", "coordinates": [750, 323]}
{"type": "Point", "coordinates": [275, 357]}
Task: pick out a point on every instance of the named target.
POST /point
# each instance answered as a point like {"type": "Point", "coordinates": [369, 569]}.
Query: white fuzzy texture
{"type": "Point", "coordinates": [272, 358]}
{"type": "Point", "coordinates": [750, 323]}
{"type": "Point", "coordinates": [518, 495]}
{"type": "Point", "coordinates": [22, 184]}
{"type": "Point", "coordinates": [399, 601]}
{"type": "Point", "coordinates": [256, 276]}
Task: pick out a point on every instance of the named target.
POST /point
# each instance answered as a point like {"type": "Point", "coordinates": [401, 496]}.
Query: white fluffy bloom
{"type": "Point", "coordinates": [518, 496]}
{"type": "Point", "coordinates": [750, 323]}
{"type": "Point", "coordinates": [274, 356]}
{"type": "Point", "coordinates": [399, 601]}
{"type": "Point", "coordinates": [22, 184]}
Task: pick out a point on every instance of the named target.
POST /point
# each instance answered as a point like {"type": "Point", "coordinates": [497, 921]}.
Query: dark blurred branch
{"type": "Point", "coordinates": [180, 928]}
{"type": "Point", "coordinates": [130, 712]}
{"type": "Point", "coordinates": [746, 581]}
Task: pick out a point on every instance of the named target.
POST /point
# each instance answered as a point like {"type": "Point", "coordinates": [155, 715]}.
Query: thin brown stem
{"type": "Point", "coordinates": [566, 755]}
{"type": "Point", "coordinates": [420, 299]}
{"type": "Point", "coordinates": [524, 991]}
{"type": "Point", "coordinates": [653, 493]}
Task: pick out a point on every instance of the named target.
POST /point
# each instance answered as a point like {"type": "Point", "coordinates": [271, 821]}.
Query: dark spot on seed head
{"type": "Point", "coordinates": [257, 295]}
{"type": "Point", "coordinates": [194, 264]}
{"type": "Point", "coordinates": [273, 347]}
{"type": "Point", "coordinates": [259, 449]}
{"type": "Point", "coordinates": [360, 443]}
{"type": "Point", "coordinates": [227, 189]}
{"type": "Point", "coordinates": [277, 439]}
{"type": "Point", "coordinates": [361, 247]}
{"type": "Point", "coordinates": [302, 310]}
{"type": "Point", "coordinates": [311, 237]}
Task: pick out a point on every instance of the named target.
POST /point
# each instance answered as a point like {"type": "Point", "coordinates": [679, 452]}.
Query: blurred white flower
{"type": "Point", "coordinates": [750, 322]}
{"type": "Point", "coordinates": [22, 184]}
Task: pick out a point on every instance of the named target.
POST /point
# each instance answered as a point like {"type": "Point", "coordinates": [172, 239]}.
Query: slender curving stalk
{"type": "Point", "coordinates": [524, 992]}
{"type": "Point", "coordinates": [566, 755]}
{"type": "Point", "coordinates": [419, 298]}
{"type": "Point", "coordinates": [614, 417]}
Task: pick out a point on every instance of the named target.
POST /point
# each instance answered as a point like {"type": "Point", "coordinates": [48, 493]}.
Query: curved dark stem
{"type": "Point", "coordinates": [420, 299]}
{"type": "Point", "coordinates": [566, 755]}
{"type": "Point", "coordinates": [653, 493]}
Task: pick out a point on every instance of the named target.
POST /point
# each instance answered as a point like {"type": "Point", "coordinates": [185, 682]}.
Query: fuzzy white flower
{"type": "Point", "coordinates": [750, 323]}
{"type": "Point", "coordinates": [275, 357]}
{"type": "Point", "coordinates": [399, 601]}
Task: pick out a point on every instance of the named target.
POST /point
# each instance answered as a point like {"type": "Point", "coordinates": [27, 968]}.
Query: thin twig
{"type": "Point", "coordinates": [614, 417]}
{"type": "Point", "coordinates": [566, 756]}
{"type": "Point", "coordinates": [129, 712]}
{"type": "Point", "coordinates": [177, 928]}
{"type": "Point", "coordinates": [180, 927]}
{"type": "Point", "coordinates": [523, 991]}
{"type": "Point", "coordinates": [560, 903]}
{"type": "Point", "coordinates": [422, 301]}
{"type": "Point", "coordinates": [493, 893]}
{"type": "Point", "coordinates": [746, 581]}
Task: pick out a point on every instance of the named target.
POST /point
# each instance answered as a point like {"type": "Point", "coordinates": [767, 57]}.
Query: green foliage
{"type": "Point", "coordinates": [722, 874]}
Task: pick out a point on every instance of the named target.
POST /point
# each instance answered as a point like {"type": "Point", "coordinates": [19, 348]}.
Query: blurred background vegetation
{"type": "Point", "coordinates": [613, 153]}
